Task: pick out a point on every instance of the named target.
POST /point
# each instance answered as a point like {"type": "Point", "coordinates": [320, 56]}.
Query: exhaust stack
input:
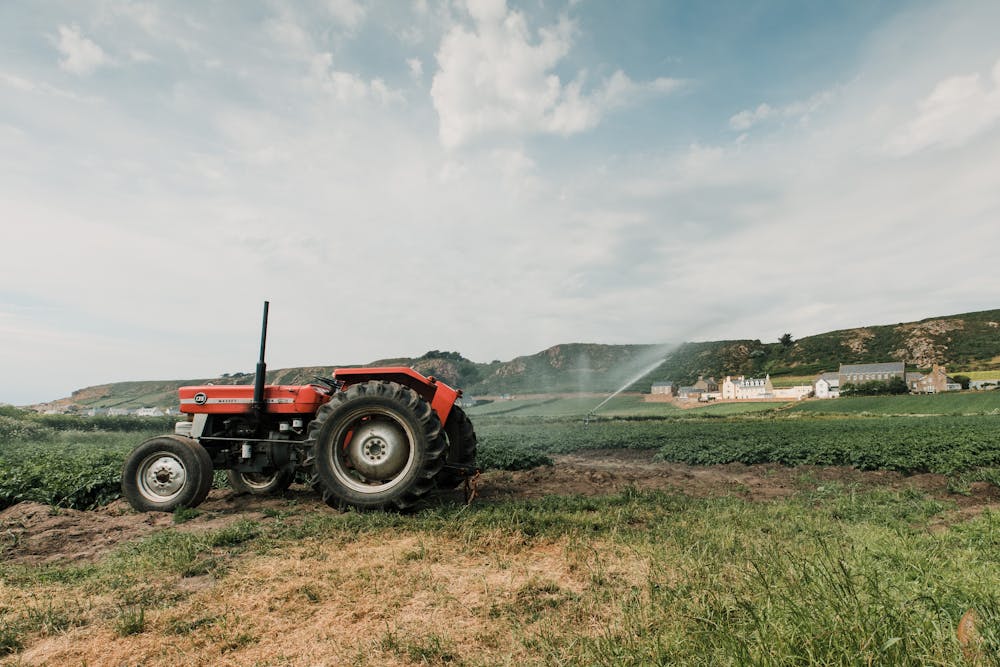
{"type": "Point", "coordinates": [258, 384]}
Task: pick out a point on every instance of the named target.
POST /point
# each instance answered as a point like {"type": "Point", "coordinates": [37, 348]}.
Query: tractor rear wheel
{"type": "Point", "coordinates": [376, 445]}
{"type": "Point", "coordinates": [166, 472]}
{"type": "Point", "coordinates": [462, 446]}
{"type": "Point", "coordinates": [261, 483]}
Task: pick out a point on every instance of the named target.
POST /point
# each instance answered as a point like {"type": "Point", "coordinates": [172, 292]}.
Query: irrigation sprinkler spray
{"type": "Point", "coordinates": [593, 413]}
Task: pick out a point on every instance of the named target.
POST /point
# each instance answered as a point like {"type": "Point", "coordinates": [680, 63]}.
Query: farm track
{"type": "Point", "coordinates": [32, 533]}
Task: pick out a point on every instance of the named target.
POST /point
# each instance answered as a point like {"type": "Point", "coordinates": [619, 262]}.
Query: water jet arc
{"type": "Point", "coordinates": [625, 386]}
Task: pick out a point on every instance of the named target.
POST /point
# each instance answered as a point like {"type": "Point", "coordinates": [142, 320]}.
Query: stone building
{"type": "Point", "coordinates": [935, 382]}
{"type": "Point", "coordinates": [665, 388]}
{"type": "Point", "coordinates": [860, 373]}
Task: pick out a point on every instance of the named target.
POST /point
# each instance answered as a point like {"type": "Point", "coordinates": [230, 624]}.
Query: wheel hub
{"type": "Point", "coordinates": [379, 450]}
{"type": "Point", "coordinates": [161, 477]}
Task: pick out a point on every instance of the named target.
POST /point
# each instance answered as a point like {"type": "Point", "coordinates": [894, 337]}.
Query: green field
{"type": "Point", "coordinates": [633, 405]}
{"type": "Point", "coordinates": [957, 403]}
{"type": "Point", "coordinates": [623, 405]}
{"type": "Point", "coordinates": [978, 375]}
{"type": "Point", "coordinates": [65, 461]}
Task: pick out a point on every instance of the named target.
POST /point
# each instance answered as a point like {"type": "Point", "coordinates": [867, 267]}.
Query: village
{"type": "Point", "coordinates": [824, 386]}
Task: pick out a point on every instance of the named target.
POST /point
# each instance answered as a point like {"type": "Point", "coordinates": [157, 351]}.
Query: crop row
{"type": "Point", "coordinates": [49, 463]}
{"type": "Point", "coordinates": [944, 444]}
{"type": "Point", "coordinates": [81, 469]}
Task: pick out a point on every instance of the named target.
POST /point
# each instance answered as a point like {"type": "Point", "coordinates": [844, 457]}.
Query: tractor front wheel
{"type": "Point", "coordinates": [377, 445]}
{"type": "Point", "coordinates": [165, 472]}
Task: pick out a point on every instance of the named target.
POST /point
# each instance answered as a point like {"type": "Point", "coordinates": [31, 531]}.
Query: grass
{"type": "Point", "coordinates": [634, 405]}
{"type": "Point", "coordinates": [829, 576]}
{"type": "Point", "coordinates": [792, 380]}
{"type": "Point", "coordinates": [978, 375]}
{"type": "Point", "coordinates": [958, 403]}
{"type": "Point", "coordinates": [623, 405]}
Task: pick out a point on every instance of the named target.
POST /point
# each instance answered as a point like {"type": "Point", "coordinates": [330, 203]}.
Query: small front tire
{"type": "Point", "coordinates": [166, 472]}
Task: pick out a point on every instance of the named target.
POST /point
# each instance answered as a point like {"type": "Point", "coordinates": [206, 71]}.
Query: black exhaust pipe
{"type": "Point", "coordinates": [258, 384]}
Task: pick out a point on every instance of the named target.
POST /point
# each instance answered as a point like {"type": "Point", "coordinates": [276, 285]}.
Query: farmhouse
{"type": "Point", "coordinates": [747, 388]}
{"type": "Point", "coordinates": [706, 385]}
{"type": "Point", "coordinates": [935, 382]}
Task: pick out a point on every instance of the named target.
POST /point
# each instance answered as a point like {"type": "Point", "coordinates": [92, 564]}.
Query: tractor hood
{"type": "Point", "coordinates": [235, 399]}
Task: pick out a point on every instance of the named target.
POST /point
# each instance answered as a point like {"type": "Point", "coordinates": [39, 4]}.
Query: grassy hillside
{"type": "Point", "coordinates": [968, 342]}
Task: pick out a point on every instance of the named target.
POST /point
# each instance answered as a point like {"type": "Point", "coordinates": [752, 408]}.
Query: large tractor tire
{"type": "Point", "coordinates": [462, 445]}
{"type": "Point", "coordinates": [377, 445]}
{"type": "Point", "coordinates": [261, 483]}
{"type": "Point", "coordinates": [166, 472]}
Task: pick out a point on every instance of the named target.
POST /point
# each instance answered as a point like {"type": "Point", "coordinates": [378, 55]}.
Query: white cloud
{"type": "Point", "coordinates": [416, 68]}
{"type": "Point", "coordinates": [288, 33]}
{"type": "Point", "coordinates": [41, 88]}
{"type": "Point", "coordinates": [957, 109]}
{"type": "Point", "coordinates": [750, 117]}
{"type": "Point", "coordinates": [347, 87]}
{"type": "Point", "coordinates": [79, 54]}
{"type": "Point", "coordinates": [799, 111]}
{"type": "Point", "coordinates": [497, 77]}
{"type": "Point", "coordinates": [349, 13]}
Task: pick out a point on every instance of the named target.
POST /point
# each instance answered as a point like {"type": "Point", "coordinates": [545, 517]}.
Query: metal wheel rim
{"type": "Point", "coordinates": [258, 480]}
{"type": "Point", "coordinates": [349, 476]}
{"type": "Point", "coordinates": [161, 477]}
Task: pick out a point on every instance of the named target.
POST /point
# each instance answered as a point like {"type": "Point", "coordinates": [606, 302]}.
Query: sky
{"type": "Point", "coordinates": [482, 176]}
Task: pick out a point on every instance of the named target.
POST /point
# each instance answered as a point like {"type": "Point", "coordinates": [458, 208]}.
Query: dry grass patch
{"type": "Point", "coordinates": [413, 599]}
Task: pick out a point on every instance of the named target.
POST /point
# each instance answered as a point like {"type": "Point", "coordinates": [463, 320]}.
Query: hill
{"type": "Point", "coordinates": [969, 342]}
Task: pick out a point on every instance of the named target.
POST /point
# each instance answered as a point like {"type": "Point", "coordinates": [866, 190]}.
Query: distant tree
{"type": "Point", "coordinates": [896, 385]}
{"type": "Point", "coordinates": [963, 380]}
{"type": "Point", "coordinates": [786, 340]}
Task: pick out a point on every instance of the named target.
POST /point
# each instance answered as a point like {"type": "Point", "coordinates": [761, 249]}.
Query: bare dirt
{"type": "Point", "coordinates": [31, 533]}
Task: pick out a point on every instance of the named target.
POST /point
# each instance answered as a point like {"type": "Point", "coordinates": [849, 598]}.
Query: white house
{"type": "Point", "coordinates": [747, 388]}
{"type": "Point", "coordinates": [827, 385]}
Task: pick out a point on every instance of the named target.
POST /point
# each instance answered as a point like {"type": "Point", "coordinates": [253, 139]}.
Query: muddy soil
{"type": "Point", "coordinates": [31, 533]}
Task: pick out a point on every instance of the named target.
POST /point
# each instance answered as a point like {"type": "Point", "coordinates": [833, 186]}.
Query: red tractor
{"type": "Point", "coordinates": [369, 438]}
